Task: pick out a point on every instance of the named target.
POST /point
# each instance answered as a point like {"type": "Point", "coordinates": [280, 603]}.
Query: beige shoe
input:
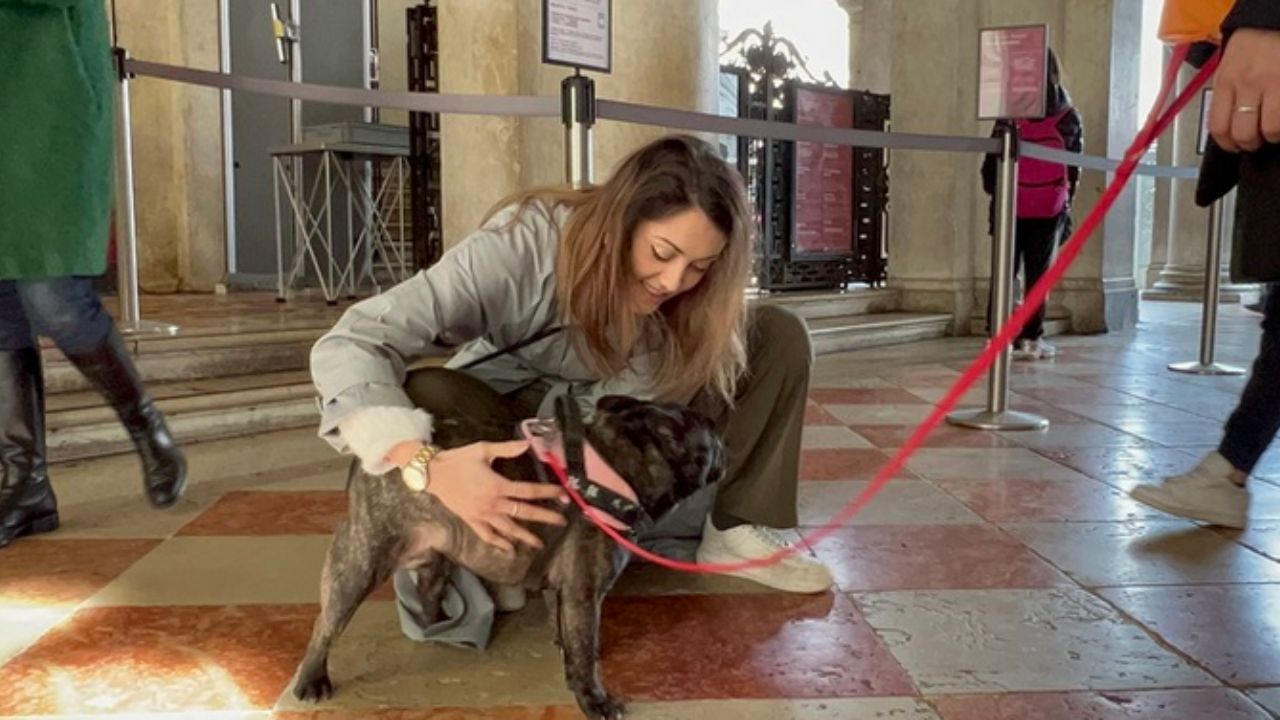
{"type": "Point", "coordinates": [798, 573]}
{"type": "Point", "coordinates": [1206, 494]}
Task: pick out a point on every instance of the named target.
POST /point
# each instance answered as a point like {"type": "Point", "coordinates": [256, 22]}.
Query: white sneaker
{"type": "Point", "coordinates": [1206, 493]}
{"type": "Point", "coordinates": [797, 573]}
{"type": "Point", "coordinates": [1032, 350]}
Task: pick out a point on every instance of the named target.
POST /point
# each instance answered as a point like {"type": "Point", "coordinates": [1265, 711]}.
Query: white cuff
{"type": "Point", "coordinates": [372, 432]}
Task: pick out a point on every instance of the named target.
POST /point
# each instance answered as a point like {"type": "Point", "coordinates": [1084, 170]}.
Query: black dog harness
{"type": "Point", "coordinates": [562, 443]}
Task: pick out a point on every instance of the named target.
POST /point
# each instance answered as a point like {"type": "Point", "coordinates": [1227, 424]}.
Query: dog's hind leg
{"type": "Point", "coordinates": [352, 569]}
{"type": "Point", "coordinates": [433, 574]}
{"type": "Point", "coordinates": [580, 578]}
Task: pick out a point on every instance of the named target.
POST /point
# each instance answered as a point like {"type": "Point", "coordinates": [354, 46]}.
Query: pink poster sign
{"type": "Point", "coordinates": [824, 181]}
{"type": "Point", "coordinates": [1012, 64]}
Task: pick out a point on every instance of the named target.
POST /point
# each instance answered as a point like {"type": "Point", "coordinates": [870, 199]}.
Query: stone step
{"type": "Point", "coordinates": [235, 407]}
{"type": "Point", "coordinates": [841, 334]}
{"type": "Point", "coordinates": [197, 357]}
{"type": "Point", "coordinates": [221, 386]}
{"type": "Point", "coordinates": [833, 303]}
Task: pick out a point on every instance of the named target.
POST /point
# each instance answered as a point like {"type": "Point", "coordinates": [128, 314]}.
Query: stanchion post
{"type": "Point", "coordinates": [997, 415]}
{"type": "Point", "coordinates": [130, 321]}
{"type": "Point", "coordinates": [578, 112]}
{"type": "Point", "coordinates": [1209, 318]}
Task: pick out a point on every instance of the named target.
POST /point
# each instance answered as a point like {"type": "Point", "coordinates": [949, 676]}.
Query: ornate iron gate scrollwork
{"type": "Point", "coordinates": [424, 137]}
{"type": "Point", "coordinates": [844, 249]}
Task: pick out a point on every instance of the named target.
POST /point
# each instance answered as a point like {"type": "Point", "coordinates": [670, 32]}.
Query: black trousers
{"type": "Point", "coordinates": [1036, 241]}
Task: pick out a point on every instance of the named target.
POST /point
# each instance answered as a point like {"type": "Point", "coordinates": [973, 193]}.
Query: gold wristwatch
{"type": "Point", "coordinates": [415, 473]}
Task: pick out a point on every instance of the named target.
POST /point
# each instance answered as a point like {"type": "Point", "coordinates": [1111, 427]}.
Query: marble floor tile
{"type": "Point", "coordinates": [1268, 698]}
{"type": "Point", "coordinates": [1013, 501]}
{"type": "Point", "coordinates": [1144, 553]}
{"type": "Point", "coordinates": [833, 437]}
{"type": "Point", "coordinates": [863, 396]}
{"type": "Point", "coordinates": [1077, 436]}
{"type": "Point", "coordinates": [901, 502]}
{"type": "Point", "coordinates": [40, 572]}
{"type": "Point", "coordinates": [1262, 536]}
{"type": "Point", "coordinates": [884, 414]}
{"type": "Point", "coordinates": [845, 464]}
{"type": "Point", "coordinates": [160, 659]}
{"type": "Point", "coordinates": [1231, 630]}
{"type": "Point", "coordinates": [1191, 704]}
{"type": "Point", "coordinates": [744, 646]}
{"type": "Point", "coordinates": [988, 464]}
{"type": "Point", "coordinates": [374, 665]}
{"type": "Point", "coordinates": [1008, 641]}
{"type": "Point", "coordinates": [244, 513]}
{"type": "Point", "coordinates": [943, 436]}
{"type": "Point", "coordinates": [222, 571]}
{"type": "Point", "coordinates": [932, 557]}
{"type": "Point", "coordinates": [815, 414]}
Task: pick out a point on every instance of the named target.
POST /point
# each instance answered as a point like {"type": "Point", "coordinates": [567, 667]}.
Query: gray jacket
{"type": "Point", "coordinates": [491, 291]}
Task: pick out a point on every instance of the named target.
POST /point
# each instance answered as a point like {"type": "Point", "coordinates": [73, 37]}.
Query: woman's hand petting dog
{"type": "Point", "coordinates": [490, 504]}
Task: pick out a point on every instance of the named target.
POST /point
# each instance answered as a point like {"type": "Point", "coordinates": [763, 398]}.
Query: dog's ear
{"type": "Point", "coordinates": [616, 403]}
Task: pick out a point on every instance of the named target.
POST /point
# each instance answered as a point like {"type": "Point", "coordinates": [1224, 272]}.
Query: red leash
{"type": "Point", "coordinates": [1157, 123]}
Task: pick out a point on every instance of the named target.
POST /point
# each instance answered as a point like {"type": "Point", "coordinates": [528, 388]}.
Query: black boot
{"type": "Point", "coordinates": [110, 369]}
{"type": "Point", "coordinates": [27, 503]}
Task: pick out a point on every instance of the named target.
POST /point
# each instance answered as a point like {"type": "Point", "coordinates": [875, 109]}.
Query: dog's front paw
{"type": "Point", "coordinates": [600, 705]}
{"type": "Point", "coordinates": [315, 688]}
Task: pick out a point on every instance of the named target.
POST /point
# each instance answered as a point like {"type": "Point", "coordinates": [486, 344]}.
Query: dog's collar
{"type": "Point", "coordinates": [612, 499]}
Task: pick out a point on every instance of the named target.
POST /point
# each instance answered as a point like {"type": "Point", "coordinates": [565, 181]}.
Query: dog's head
{"type": "Point", "coordinates": [666, 451]}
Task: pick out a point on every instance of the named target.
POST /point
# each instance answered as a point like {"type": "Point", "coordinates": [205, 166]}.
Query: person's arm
{"type": "Point", "coordinates": [1072, 130]}
{"type": "Point", "coordinates": [1258, 14]}
{"type": "Point", "coordinates": [989, 166]}
{"type": "Point", "coordinates": [359, 367]}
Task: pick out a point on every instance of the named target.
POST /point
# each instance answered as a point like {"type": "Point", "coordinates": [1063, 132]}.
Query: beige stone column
{"type": "Point", "coordinates": [480, 156]}
{"type": "Point", "coordinates": [1162, 222]}
{"type": "Point", "coordinates": [1099, 47]}
{"type": "Point", "coordinates": [665, 53]}
{"type": "Point", "coordinates": [1182, 277]}
{"type": "Point", "coordinates": [870, 50]}
{"type": "Point", "coordinates": [177, 141]}
{"type": "Point", "coordinates": [937, 212]}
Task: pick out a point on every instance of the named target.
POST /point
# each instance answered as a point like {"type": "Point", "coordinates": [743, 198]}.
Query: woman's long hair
{"type": "Point", "coordinates": [698, 337]}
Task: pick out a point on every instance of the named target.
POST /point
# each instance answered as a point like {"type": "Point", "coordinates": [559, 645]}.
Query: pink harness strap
{"type": "Point", "coordinates": [545, 440]}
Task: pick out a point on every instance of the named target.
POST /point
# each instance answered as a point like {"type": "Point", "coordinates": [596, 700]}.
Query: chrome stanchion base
{"type": "Point", "coordinates": [1194, 367]}
{"type": "Point", "coordinates": [148, 327]}
{"type": "Point", "coordinates": [983, 419]}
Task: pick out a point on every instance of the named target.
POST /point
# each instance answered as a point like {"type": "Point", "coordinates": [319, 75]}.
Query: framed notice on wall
{"type": "Point", "coordinates": [1012, 72]}
{"type": "Point", "coordinates": [824, 176]}
{"type": "Point", "coordinates": [578, 33]}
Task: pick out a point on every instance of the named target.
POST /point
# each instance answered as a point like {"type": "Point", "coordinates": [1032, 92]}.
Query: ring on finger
{"type": "Point", "coordinates": [515, 510]}
{"type": "Point", "coordinates": [1247, 109]}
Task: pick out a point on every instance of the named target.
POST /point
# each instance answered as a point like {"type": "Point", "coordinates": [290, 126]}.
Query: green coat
{"type": "Point", "coordinates": [57, 124]}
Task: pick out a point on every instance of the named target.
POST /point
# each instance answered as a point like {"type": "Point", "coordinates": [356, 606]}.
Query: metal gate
{"type": "Point", "coordinates": [424, 137]}
{"type": "Point", "coordinates": [821, 208]}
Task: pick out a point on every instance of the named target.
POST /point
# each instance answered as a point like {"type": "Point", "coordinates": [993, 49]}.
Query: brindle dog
{"type": "Point", "coordinates": [667, 453]}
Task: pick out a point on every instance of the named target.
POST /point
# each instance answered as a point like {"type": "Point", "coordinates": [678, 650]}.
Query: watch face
{"type": "Point", "coordinates": [414, 477]}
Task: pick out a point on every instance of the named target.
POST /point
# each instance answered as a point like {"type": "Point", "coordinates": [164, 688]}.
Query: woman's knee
{"type": "Point", "coordinates": [452, 393]}
{"type": "Point", "coordinates": [780, 334]}
{"type": "Point", "coordinates": [67, 311]}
